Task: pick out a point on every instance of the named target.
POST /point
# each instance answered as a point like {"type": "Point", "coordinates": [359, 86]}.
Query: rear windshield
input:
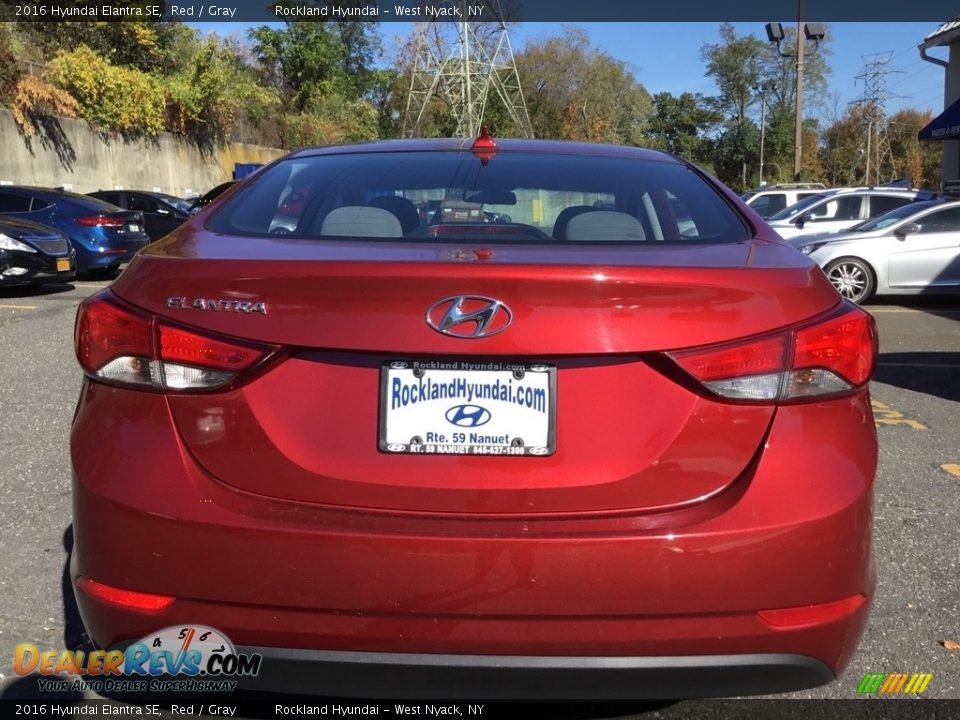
{"type": "Point", "coordinates": [453, 197]}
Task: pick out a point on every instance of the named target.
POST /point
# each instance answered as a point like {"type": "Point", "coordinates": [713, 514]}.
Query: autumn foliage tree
{"type": "Point", "coordinates": [576, 92]}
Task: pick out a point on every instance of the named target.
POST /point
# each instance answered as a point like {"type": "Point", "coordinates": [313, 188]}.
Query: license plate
{"type": "Point", "coordinates": [133, 228]}
{"type": "Point", "coordinates": [63, 264]}
{"type": "Point", "coordinates": [467, 408]}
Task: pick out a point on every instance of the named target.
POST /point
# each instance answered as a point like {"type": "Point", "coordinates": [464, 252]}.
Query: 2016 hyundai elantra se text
{"type": "Point", "coordinates": [590, 430]}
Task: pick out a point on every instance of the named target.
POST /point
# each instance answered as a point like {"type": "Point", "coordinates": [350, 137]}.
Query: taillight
{"type": "Point", "coordinates": [121, 345]}
{"type": "Point", "coordinates": [831, 355]}
{"type": "Point", "coordinates": [100, 221]}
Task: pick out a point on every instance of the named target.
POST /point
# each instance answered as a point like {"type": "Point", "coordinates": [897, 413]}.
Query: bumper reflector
{"type": "Point", "coordinates": [812, 614]}
{"type": "Point", "coordinates": [144, 602]}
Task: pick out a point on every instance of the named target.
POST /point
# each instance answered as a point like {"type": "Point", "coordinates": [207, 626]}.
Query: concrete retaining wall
{"type": "Point", "coordinates": [71, 153]}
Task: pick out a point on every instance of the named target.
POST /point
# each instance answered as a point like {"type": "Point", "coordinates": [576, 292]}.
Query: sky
{"type": "Point", "coordinates": [665, 57]}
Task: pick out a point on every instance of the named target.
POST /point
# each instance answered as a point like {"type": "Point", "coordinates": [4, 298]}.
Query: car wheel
{"type": "Point", "coordinates": [853, 278]}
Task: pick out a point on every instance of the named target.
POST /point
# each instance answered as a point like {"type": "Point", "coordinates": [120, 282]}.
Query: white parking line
{"type": "Point", "coordinates": [19, 307]}
{"type": "Point", "coordinates": [938, 311]}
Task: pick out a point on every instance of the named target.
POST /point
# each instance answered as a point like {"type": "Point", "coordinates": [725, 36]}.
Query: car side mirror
{"type": "Point", "coordinates": [908, 229]}
{"type": "Point", "coordinates": [799, 222]}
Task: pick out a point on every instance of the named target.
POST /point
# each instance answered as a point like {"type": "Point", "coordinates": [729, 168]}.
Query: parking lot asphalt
{"type": "Point", "coordinates": [916, 394]}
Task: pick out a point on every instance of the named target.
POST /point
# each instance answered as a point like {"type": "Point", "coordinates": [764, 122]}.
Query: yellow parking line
{"type": "Point", "coordinates": [19, 307]}
{"type": "Point", "coordinates": [952, 468]}
{"type": "Point", "coordinates": [883, 414]}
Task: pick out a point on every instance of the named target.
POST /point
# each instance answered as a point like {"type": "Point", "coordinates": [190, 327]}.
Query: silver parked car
{"type": "Point", "coordinates": [910, 250]}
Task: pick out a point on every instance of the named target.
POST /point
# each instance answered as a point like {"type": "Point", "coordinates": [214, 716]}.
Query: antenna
{"type": "Point", "coordinates": [461, 64]}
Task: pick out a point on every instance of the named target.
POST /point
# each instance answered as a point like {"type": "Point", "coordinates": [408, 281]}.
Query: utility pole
{"type": "Point", "coordinates": [798, 137]}
{"type": "Point", "coordinates": [762, 89]}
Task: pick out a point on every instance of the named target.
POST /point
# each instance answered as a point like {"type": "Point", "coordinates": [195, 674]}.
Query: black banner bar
{"type": "Point", "coordinates": [247, 11]}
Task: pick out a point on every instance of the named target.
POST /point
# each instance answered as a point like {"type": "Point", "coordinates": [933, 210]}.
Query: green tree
{"type": "Point", "coordinates": [734, 64]}
{"type": "Point", "coordinates": [310, 61]}
{"type": "Point", "coordinates": [681, 125]}
{"type": "Point", "coordinates": [576, 92]}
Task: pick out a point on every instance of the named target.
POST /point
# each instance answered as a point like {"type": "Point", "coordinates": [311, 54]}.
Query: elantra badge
{"type": "Point", "coordinates": [216, 304]}
{"type": "Point", "coordinates": [469, 316]}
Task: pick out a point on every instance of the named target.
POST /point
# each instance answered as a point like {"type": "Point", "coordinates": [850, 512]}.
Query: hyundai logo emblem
{"type": "Point", "coordinates": [469, 416]}
{"type": "Point", "coordinates": [469, 316]}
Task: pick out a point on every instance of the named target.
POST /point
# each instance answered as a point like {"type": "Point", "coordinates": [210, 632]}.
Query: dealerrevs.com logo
{"type": "Point", "coordinates": [893, 684]}
{"type": "Point", "coordinates": [190, 658]}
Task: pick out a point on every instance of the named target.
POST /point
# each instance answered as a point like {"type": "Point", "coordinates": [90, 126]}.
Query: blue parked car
{"type": "Point", "coordinates": [103, 235]}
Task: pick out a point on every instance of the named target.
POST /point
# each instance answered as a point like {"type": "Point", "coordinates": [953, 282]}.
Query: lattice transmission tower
{"type": "Point", "coordinates": [876, 145]}
{"type": "Point", "coordinates": [463, 64]}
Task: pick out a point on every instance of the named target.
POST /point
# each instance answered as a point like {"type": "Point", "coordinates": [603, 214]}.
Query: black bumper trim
{"type": "Point", "coordinates": [506, 677]}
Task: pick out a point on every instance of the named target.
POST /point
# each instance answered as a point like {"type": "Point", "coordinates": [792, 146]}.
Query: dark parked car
{"type": "Point", "coordinates": [614, 451]}
{"type": "Point", "coordinates": [33, 254]}
{"type": "Point", "coordinates": [103, 235]}
{"type": "Point", "coordinates": [211, 195]}
{"type": "Point", "coordinates": [162, 213]}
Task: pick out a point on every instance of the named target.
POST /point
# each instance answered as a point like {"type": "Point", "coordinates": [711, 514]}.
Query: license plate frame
{"type": "Point", "coordinates": [517, 400]}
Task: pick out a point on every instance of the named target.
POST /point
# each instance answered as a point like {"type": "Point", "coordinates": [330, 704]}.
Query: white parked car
{"type": "Point", "coordinates": [910, 250]}
{"type": "Point", "coordinates": [768, 200]}
{"type": "Point", "coordinates": [836, 210]}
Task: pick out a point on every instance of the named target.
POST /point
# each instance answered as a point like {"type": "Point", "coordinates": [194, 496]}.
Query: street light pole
{"type": "Point", "coordinates": [798, 139]}
{"type": "Point", "coordinates": [763, 90]}
{"type": "Point", "coordinates": [805, 31]}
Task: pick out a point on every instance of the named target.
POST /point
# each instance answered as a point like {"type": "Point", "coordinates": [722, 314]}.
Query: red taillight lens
{"type": "Point", "coordinates": [121, 345]}
{"type": "Point", "coordinates": [100, 221]}
{"type": "Point", "coordinates": [181, 346]}
{"type": "Point", "coordinates": [105, 331]}
{"type": "Point", "coordinates": [832, 355]}
{"type": "Point", "coordinates": [845, 343]}
{"type": "Point", "coordinates": [765, 355]}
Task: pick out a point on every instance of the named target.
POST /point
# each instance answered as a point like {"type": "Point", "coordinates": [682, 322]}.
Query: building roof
{"type": "Point", "coordinates": [947, 34]}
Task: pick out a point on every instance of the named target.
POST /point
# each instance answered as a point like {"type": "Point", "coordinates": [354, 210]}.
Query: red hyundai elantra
{"type": "Point", "coordinates": [589, 430]}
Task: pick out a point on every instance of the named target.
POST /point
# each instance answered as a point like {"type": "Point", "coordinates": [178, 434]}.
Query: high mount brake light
{"type": "Point", "coordinates": [100, 221]}
{"type": "Point", "coordinates": [120, 345]}
{"type": "Point", "coordinates": [831, 355]}
{"type": "Point", "coordinates": [484, 147]}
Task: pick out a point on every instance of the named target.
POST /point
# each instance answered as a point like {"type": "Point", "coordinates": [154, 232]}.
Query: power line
{"type": "Point", "coordinates": [876, 144]}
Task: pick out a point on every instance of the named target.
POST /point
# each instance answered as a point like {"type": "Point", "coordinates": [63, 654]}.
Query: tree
{"type": "Point", "coordinates": [734, 64]}
{"type": "Point", "coordinates": [576, 92]}
{"type": "Point", "coordinates": [309, 62]}
{"type": "Point", "coordinates": [681, 125]}
{"type": "Point", "coordinates": [919, 161]}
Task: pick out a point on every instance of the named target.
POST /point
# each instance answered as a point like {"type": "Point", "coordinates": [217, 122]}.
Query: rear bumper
{"type": "Point", "coordinates": [106, 253]}
{"type": "Point", "coordinates": [633, 598]}
{"type": "Point", "coordinates": [472, 677]}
